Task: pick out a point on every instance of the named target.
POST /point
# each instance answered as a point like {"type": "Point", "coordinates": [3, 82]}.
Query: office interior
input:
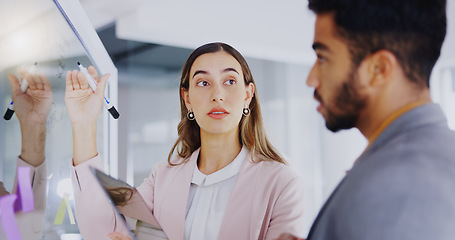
{"type": "Point", "coordinates": [148, 42]}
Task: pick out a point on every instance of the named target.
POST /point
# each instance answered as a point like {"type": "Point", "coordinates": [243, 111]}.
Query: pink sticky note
{"type": "Point", "coordinates": [7, 219]}
{"type": "Point", "coordinates": [24, 191]}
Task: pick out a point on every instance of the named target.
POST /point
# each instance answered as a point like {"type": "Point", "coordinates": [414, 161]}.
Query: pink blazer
{"type": "Point", "coordinates": [30, 224]}
{"type": "Point", "coordinates": [267, 200]}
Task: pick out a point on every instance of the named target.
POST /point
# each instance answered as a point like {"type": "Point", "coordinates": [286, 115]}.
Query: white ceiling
{"type": "Point", "coordinates": [274, 30]}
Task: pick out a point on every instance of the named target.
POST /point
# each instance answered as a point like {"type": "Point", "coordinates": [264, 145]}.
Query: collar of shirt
{"type": "Point", "coordinates": [229, 171]}
{"type": "Point", "coordinates": [394, 116]}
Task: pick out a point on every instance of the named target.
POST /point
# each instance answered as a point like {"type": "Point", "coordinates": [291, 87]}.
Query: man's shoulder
{"type": "Point", "coordinates": [402, 165]}
{"type": "Point", "coordinates": [423, 145]}
{"type": "Point", "coordinates": [394, 195]}
{"type": "Point", "coordinates": [423, 126]}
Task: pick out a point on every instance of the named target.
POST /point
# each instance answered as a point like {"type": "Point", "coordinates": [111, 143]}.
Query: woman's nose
{"type": "Point", "coordinates": [217, 93]}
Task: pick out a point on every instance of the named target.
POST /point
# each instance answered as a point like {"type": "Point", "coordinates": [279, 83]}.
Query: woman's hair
{"type": "Point", "coordinates": [120, 195]}
{"type": "Point", "coordinates": [251, 128]}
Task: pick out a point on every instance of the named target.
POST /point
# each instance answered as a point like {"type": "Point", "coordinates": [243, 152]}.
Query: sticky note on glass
{"type": "Point", "coordinates": [7, 219]}
{"type": "Point", "coordinates": [64, 205]}
{"type": "Point", "coordinates": [24, 191]}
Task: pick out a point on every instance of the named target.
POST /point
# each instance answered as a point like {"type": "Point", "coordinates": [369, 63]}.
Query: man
{"type": "Point", "coordinates": [374, 60]}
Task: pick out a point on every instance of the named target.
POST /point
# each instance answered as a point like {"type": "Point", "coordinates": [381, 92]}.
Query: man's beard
{"type": "Point", "coordinates": [345, 111]}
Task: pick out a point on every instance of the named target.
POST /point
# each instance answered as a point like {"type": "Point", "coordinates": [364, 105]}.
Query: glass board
{"type": "Point", "coordinates": [51, 37]}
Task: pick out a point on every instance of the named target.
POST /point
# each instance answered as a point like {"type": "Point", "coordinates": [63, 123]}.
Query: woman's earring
{"type": "Point", "coordinates": [190, 115]}
{"type": "Point", "coordinates": [246, 111]}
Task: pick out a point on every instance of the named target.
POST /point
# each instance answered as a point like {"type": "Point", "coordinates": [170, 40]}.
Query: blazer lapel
{"type": "Point", "coordinates": [321, 212]}
{"type": "Point", "coordinates": [174, 202]}
{"type": "Point", "coordinates": [234, 224]}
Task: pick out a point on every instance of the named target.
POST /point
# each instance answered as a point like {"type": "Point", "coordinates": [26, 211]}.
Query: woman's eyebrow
{"type": "Point", "coordinates": [225, 70]}
{"type": "Point", "coordinates": [231, 70]}
{"type": "Point", "coordinates": [200, 72]}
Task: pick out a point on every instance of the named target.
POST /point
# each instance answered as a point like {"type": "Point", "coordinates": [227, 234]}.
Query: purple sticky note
{"type": "Point", "coordinates": [24, 191]}
{"type": "Point", "coordinates": [7, 219]}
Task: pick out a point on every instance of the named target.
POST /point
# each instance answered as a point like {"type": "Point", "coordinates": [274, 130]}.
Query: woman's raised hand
{"type": "Point", "coordinates": [33, 106]}
{"type": "Point", "coordinates": [84, 107]}
{"type": "Point", "coordinates": [82, 103]}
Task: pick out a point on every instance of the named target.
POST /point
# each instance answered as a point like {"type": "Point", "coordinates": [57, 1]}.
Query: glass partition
{"type": "Point", "coordinates": [49, 38]}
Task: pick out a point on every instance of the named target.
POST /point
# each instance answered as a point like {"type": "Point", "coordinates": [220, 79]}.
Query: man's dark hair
{"type": "Point", "coordinates": [413, 30]}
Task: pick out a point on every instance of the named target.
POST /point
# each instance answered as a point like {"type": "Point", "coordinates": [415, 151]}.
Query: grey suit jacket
{"type": "Point", "coordinates": [402, 187]}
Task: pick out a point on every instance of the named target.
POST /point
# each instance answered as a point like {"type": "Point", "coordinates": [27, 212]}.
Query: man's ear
{"type": "Point", "coordinates": [381, 66]}
{"type": "Point", "coordinates": [186, 98]}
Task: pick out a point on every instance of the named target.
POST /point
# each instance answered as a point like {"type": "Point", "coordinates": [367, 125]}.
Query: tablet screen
{"type": "Point", "coordinates": [127, 201]}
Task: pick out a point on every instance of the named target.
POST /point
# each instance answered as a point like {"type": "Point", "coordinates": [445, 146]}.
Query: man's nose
{"type": "Point", "coordinates": [313, 78]}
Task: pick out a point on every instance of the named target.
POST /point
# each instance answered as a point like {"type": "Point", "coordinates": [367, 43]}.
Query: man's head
{"type": "Point", "coordinates": [413, 30]}
{"type": "Point", "coordinates": [404, 34]}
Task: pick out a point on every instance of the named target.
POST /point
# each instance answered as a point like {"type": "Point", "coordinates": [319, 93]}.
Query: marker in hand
{"type": "Point", "coordinates": [10, 110]}
{"type": "Point", "coordinates": [92, 83]}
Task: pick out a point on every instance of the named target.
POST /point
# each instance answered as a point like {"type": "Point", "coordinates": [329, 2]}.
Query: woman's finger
{"type": "Point", "coordinates": [32, 84]}
{"type": "Point", "coordinates": [15, 86]}
{"type": "Point", "coordinates": [102, 85]}
{"type": "Point", "coordinates": [93, 72]}
{"type": "Point", "coordinates": [46, 83]}
{"type": "Point", "coordinates": [75, 80]}
{"type": "Point", "coordinates": [69, 83]}
{"type": "Point", "coordinates": [39, 81]}
{"type": "Point", "coordinates": [22, 72]}
{"type": "Point", "coordinates": [83, 84]}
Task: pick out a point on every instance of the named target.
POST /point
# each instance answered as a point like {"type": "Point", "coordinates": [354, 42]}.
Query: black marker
{"type": "Point", "coordinates": [24, 85]}
{"type": "Point", "coordinates": [10, 110]}
{"type": "Point", "coordinates": [92, 83]}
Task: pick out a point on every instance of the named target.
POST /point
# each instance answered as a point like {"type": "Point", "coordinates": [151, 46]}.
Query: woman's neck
{"type": "Point", "coordinates": [218, 151]}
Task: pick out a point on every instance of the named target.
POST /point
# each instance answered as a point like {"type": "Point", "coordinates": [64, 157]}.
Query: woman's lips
{"type": "Point", "coordinates": [218, 113]}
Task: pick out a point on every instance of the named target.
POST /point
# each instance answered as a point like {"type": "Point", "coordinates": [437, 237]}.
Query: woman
{"type": "Point", "coordinates": [226, 182]}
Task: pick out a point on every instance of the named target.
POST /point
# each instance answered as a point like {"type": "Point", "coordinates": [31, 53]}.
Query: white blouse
{"type": "Point", "coordinates": [208, 198]}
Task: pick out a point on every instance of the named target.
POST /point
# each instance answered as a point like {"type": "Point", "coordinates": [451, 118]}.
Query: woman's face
{"type": "Point", "coordinates": [217, 93]}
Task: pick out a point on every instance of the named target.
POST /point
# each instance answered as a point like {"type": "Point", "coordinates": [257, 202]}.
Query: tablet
{"type": "Point", "coordinates": [127, 201]}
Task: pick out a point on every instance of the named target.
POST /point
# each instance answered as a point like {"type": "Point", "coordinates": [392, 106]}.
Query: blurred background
{"type": "Point", "coordinates": [148, 42]}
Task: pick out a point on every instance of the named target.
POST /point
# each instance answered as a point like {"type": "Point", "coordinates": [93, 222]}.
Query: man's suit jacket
{"type": "Point", "coordinates": [266, 201]}
{"type": "Point", "coordinates": [402, 187]}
